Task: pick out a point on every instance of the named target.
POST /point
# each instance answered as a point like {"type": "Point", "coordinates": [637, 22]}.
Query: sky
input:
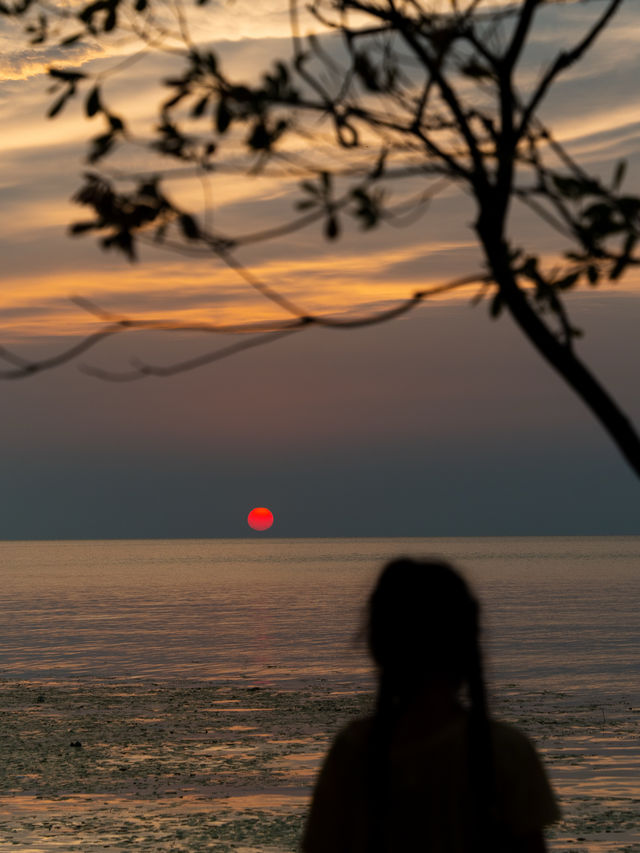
{"type": "Point", "coordinates": [441, 423]}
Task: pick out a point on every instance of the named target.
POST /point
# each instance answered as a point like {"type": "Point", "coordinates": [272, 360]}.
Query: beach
{"type": "Point", "coordinates": [149, 767]}
{"type": "Point", "coordinates": [229, 767]}
{"type": "Point", "coordinates": [180, 696]}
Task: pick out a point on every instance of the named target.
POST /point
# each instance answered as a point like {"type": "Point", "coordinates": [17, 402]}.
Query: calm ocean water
{"type": "Point", "coordinates": [559, 612]}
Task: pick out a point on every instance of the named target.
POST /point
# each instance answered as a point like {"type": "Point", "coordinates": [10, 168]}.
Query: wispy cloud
{"type": "Point", "coordinates": [594, 113]}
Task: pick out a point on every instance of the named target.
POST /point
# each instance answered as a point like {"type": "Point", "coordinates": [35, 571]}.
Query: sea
{"type": "Point", "coordinates": [208, 623]}
{"type": "Point", "coordinates": [556, 611]}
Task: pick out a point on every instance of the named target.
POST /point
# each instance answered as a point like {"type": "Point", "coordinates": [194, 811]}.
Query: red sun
{"type": "Point", "coordinates": [260, 518]}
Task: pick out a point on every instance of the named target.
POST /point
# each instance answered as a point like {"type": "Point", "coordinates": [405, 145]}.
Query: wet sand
{"type": "Point", "coordinates": [92, 766]}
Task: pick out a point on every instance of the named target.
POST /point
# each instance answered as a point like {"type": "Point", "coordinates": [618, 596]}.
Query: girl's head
{"type": "Point", "coordinates": [423, 625]}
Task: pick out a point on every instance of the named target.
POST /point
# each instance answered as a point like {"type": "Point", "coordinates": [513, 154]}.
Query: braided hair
{"type": "Point", "coordinates": [423, 627]}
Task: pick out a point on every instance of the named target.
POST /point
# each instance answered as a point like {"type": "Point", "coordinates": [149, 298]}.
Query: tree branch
{"type": "Point", "coordinates": [520, 35]}
{"type": "Point", "coordinates": [563, 61]}
{"type": "Point", "coordinates": [117, 324]}
{"type": "Point", "coordinates": [142, 370]}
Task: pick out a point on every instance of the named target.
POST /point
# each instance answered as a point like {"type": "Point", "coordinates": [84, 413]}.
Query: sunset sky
{"type": "Point", "coordinates": [441, 423]}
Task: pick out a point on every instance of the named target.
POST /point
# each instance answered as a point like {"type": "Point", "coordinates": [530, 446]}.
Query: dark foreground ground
{"type": "Point", "coordinates": [228, 767]}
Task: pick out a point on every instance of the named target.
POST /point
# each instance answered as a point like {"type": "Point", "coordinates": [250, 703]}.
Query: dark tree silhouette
{"type": "Point", "coordinates": [392, 89]}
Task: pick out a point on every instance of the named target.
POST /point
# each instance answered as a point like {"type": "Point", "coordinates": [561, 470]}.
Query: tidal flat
{"type": "Point", "coordinates": [228, 766]}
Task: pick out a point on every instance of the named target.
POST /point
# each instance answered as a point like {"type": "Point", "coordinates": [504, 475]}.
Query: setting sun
{"type": "Point", "coordinates": [260, 518]}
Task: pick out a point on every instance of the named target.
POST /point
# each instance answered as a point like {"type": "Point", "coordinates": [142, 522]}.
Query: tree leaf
{"type": "Point", "coordinates": [93, 105]}
{"type": "Point", "coordinates": [241, 94]}
{"type": "Point", "coordinates": [71, 39]}
{"type": "Point", "coordinates": [122, 240]}
{"type": "Point", "coordinates": [629, 206]}
{"type": "Point", "coordinates": [115, 122]}
{"type": "Point", "coordinates": [568, 281]}
{"type": "Point", "coordinates": [332, 228]}
{"type": "Point", "coordinates": [223, 116]}
{"type": "Point", "coordinates": [111, 20]}
{"type": "Point", "coordinates": [58, 105]}
{"type": "Point", "coordinates": [593, 274]}
{"type": "Point", "coordinates": [200, 107]}
{"type": "Point", "coordinates": [212, 62]}
{"type": "Point", "coordinates": [475, 69]}
{"type": "Point", "coordinates": [189, 226]}
{"type": "Point", "coordinates": [378, 170]}
{"type": "Point", "coordinates": [89, 11]}
{"type": "Point", "coordinates": [259, 139]}
{"type": "Point", "coordinates": [619, 173]}
{"type": "Point", "coordinates": [623, 261]}
{"type": "Point", "coordinates": [366, 71]}
{"type": "Point", "coordinates": [175, 99]}
{"type": "Point", "coordinates": [64, 74]}
{"type": "Point", "coordinates": [100, 146]}
{"type": "Point", "coordinates": [81, 227]}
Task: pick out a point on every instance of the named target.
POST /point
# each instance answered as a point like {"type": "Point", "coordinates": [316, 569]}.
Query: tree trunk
{"type": "Point", "coordinates": [558, 355]}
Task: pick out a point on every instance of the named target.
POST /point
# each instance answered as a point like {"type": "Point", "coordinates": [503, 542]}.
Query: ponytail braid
{"type": "Point", "coordinates": [481, 768]}
{"type": "Point", "coordinates": [423, 624]}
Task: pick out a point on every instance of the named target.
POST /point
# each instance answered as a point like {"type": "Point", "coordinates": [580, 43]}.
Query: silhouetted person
{"type": "Point", "coordinates": [427, 772]}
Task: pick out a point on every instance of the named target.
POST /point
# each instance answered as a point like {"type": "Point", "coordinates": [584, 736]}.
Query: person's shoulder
{"type": "Point", "coordinates": [513, 751]}
{"type": "Point", "coordinates": [507, 731]}
{"type": "Point", "coordinates": [356, 735]}
{"type": "Point", "coordinates": [522, 788]}
{"type": "Point", "coordinates": [347, 754]}
{"type": "Point", "coordinates": [509, 738]}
